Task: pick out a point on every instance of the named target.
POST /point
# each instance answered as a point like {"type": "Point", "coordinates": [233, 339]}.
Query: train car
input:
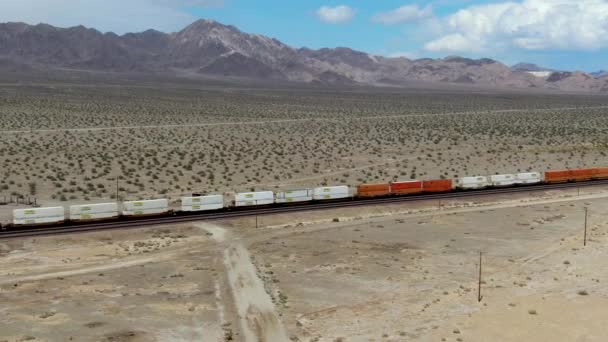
{"type": "Point", "coordinates": [148, 207]}
{"type": "Point", "coordinates": [576, 175]}
{"type": "Point", "coordinates": [36, 216]}
{"type": "Point", "coordinates": [502, 180]}
{"type": "Point", "coordinates": [601, 173]}
{"type": "Point", "coordinates": [92, 212]}
{"type": "Point", "coordinates": [373, 190]}
{"type": "Point", "coordinates": [202, 203]}
{"type": "Point", "coordinates": [437, 185]}
{"type": "Point", "coordinates": [294, 196]}
{"type": "Point", "coordinates": [561, 176]}
{"type": "Point", "coordinates": [528, 178]}
{"type": "Point", "coordinates": [247, 199]}
{"type": "Point", "coordinates": [406, 187]}
{"type": "Point", "coordinates": [331, 192]}
{"type": "Point", "coordinates": [477, 182]}
{"type": "Point", "coordinates": [582, 174]}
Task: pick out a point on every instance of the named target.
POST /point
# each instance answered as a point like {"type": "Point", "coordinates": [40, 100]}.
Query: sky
{"type": "Point", "coordinates": [560, 34]}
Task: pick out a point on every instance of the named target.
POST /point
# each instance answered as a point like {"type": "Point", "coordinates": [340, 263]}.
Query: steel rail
{"type": "Point", "coordinates": [291, 208]}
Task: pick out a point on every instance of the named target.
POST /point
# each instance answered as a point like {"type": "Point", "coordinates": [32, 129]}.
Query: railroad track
{"type": "Point", "coordinates": [144, 222]}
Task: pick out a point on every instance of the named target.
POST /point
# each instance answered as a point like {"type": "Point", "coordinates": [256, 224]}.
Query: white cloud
{"type": "Point", "coordinates": [118, 16]}
{"type": "Point", "coordinates": [403, 14]}
{"type": "Point", "coordinates": [335, 15]}
{"type": "Point", "coordinates": [527, 25]}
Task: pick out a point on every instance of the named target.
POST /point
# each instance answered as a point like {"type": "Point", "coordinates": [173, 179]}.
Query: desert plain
{"type": "Point", "coordinates": [72, 141]}
{"type": "Point", "coordinates": [404, 272]}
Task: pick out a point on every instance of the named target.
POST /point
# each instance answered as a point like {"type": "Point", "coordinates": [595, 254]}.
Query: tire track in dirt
{"type": "Point", "coordinates": [258, 318]}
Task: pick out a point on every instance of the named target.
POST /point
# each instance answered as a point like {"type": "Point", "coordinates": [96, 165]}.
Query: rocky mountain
{"type": "Point", "coordinates": [210, 48]}
{"type": "Point", "coordinates": [600, 73]}
{"type": "Point", "coordinates": [529, 67]}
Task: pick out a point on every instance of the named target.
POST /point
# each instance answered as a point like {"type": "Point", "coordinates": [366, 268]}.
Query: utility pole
{"type": "Point", "coordinates": [479, 297]}
{"type": "Point", "coordinates": [585, 236]}
{"type": "Point", "coordinates": [256, 221]}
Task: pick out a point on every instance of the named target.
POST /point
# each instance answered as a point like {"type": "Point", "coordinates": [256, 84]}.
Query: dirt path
{"type": "Point", "coordinates": [259, 321]}
{"type": "Point", "coordinates": [92, 129]}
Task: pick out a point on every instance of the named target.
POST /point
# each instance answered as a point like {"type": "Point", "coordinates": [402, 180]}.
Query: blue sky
{"type": "Point", "coordinates": [562, 34]}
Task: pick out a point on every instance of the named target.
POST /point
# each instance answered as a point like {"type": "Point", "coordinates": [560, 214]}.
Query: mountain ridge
{"type": "Point", "coordinates": [208, 47]}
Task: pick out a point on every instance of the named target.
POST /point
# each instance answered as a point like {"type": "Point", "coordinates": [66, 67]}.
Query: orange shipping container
{"type": "Point", "coordinates": [373, 190]}
{"type": "Point", "coordinates": [407, 187]}
{"type": "Point", "coordinates": [439, 185]}
{"type": "Point", "coordinates": [561, 176]}
{"type": "Point", "coordinates": [582, 174]}
{"type": "Point", "coordinates": [601, 173]}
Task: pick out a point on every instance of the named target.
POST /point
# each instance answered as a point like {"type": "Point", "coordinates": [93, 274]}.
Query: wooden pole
{"type": "Point", "coordinates": [479, 297]}
{"type": "Point", "coordinates": [585, 236]}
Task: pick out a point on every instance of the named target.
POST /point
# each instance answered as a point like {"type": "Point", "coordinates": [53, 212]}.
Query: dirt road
{"type": "Point", "coordinates": [259, 321]}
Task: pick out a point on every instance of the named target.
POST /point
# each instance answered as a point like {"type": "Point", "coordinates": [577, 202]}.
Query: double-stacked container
{"type": "Point", "coordinates": [331, 192]}
{"type": "Point", "coordinates": [202, 203]}
{"type": "Point", "coordinates": [93, 211]}
{"type": "Point", "coordinates": [149, 207]}
{"type": "Point", "coordinates": [293, 196]}
{"type": "Point", "coordinates": [38, 216]}
{"type": "Point", "coordinates": [247, 199]}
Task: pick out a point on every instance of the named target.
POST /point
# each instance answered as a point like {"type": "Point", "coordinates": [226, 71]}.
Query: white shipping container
{"type": "Point", "coordinates": [528, 178]}
{"type": "Point", "coordinates": [93, 211]}
{"type": "Point", "coordinates": [478, 182]}
{"type": "Point", "coordinates": [246, 199]}
{"type": "Point", "coordinates": [201, 203]}
{"type": "Point", "coordinates": [38, 215]}
{"type": "Point", "coordinates": [294, 196]}
{"type": "Point", "coordinates": [503, 180]}
{"type": "Point", "coordinates": [149, 207]}
{"type": "Point", "coordinates": [331, 192]}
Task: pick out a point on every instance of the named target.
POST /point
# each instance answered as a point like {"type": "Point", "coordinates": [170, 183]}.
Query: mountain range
{"type": "Point", "coordinates": [207, 47]}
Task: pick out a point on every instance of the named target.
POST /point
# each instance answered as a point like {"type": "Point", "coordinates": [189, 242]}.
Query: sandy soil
{"type": "Point", "coordinates": [386, 273]}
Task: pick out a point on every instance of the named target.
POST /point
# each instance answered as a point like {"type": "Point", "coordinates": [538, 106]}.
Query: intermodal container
{"type": "Point", "coordinates": [331, 192]}
{"type": "Point", "coordinates": [601, 173]}
{"type": "Point", "coordinates": [38, 216]}
{"type": "Point", "coordinates": [292, 196]}
{"type": "Point", "coordinates": [503, 180]}
{"type": "Point", "coordinates": [202, 203]}
{"type": "Point", "coordinates": [93, 211]}
{"type": "Point", "coordinates": [406, 187]}
{"type": "Point", "coordinates": [560, 176]}
{"type": "Point", "coordinates": [438, 185]}
{"type": "Point", "coordinates": [476, 182]}
{"type": "Point", "coordinates": [528, 178]}
{"type": "Point", "coordinates": [148, 207]}
{"type": "Point", "coordinates": [582, 174]}
{"type": "Point", "coordinates": [374, 190]}
{"type": "Point", "coordinates": [563, 176]}
{"type": "Point", "coordinates": [247, 199]}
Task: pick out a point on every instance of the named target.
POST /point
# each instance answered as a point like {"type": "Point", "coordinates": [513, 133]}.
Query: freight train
{"type": "Point", "coordinates": [133, 209]}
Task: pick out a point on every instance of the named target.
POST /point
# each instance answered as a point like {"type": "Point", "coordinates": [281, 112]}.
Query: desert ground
{"type": "Point", "coordinates": [66, 141]}
{"type": "Point", "coordinates": [403, 272]}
